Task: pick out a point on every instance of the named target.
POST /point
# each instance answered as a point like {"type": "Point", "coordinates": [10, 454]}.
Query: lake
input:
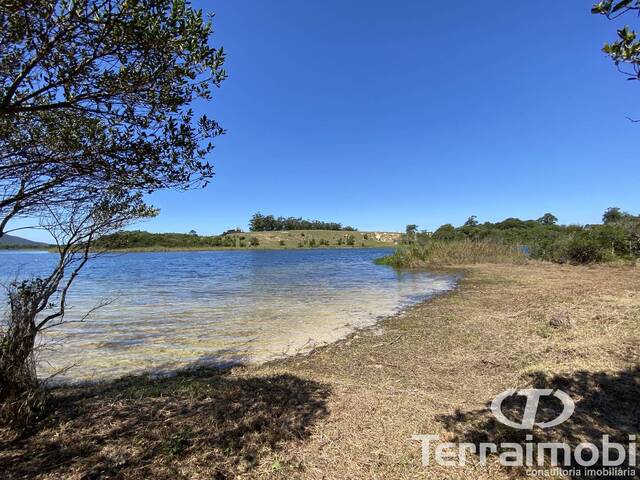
{"type": "Point", "coordinates": [179, 309]}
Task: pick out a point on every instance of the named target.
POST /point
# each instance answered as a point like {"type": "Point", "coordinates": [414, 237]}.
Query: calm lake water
{"type": "Point", "coordinates": [179, 309]}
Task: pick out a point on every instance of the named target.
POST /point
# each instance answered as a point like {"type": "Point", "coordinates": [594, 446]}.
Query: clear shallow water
{"type": "Point", "coordinates": [178, 309]}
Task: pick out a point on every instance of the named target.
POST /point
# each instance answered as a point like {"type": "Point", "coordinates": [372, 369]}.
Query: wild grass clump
{"type": "Point", "coordinates": [452, 253]}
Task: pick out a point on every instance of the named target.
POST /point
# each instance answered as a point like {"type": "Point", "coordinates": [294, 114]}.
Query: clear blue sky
{"type": "Point", "coordinates": [378, 114]}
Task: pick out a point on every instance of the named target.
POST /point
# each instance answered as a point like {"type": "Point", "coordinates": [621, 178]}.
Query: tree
{"type": "Point", "coordinates": [472, 221]}
{"type": "Point", "coordinates": [268, 223]}
{"type": "Point", "coordinates": [93, 96]}
{"type": "Point", "coordinates": [94, 113]}
{"type": "Point", "coordinates": [547, 219]}
{"type": "Point", "coordinates": [411, 231]}
{"type": "Point", "coordinates": [613, 215]}
{"type": "Point", "coordinates": [38, 304]}
{"type": "Point", "coordinates": [445, 232]}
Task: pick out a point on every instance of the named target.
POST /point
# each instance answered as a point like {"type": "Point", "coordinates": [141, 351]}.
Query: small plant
{"type": "Point", "coordinates": [281, 243]}
{"type": "Point", "coordinates": [339, 241]}
{"type": "Point", "coordinates": [351, 240]}
{"type": "Point", "coordinates": [178, 443]}
{"type": "Point", "coordinates": [312, 242]}
{"type": "Point", "coordinates": [324, 242]}
{"type": "Point", "coordinates": [300, 244]}
{"type": "Point", "coordinates": [254, 242]}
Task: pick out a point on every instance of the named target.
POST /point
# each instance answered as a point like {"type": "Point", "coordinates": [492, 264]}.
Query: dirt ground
{"type": "Point", "coordinates": [348, 410]}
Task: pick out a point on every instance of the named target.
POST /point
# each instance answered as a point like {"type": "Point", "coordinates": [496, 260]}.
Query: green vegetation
{"type": "Point", "coordinates": [452, 252]}
{"type": "Point", "coordinates": [138, 239]}
{"type": "Point", "coordinates": [617, 238]}
{"type": "Point", "coordinates": [145, 241]}
{"type": "Point", "coordinates": [95, 114]}
{"type": "Point", "coordinates": [269, 223]}
{"type": "Point", "coordinates": [624, 51]}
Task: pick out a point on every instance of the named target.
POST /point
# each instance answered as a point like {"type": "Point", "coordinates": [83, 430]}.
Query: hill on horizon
{"type": "Point", "coordinates": [14, 241]}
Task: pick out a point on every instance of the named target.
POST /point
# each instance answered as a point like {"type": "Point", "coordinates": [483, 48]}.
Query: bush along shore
{"type": "Point", "coordinates": [616, 239]}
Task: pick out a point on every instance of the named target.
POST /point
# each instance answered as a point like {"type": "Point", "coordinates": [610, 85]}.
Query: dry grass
{"type": "Point", "coordinates": [348, 410]}
{"type": "Point", "coordinates": [459, 252]}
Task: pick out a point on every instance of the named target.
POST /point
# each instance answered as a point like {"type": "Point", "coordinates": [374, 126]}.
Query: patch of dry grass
{"type": "Point", "coordinates": [348, 410]}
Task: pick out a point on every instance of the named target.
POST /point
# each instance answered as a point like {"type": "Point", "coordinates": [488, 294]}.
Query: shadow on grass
{"type": "Point", "coordinates": [206, 422]}
{"type": "Point", "coordinates": [605, 403]}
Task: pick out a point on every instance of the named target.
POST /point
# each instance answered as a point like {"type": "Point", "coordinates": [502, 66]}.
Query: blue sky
{"type": "Point", "coordinates": [378, 114]}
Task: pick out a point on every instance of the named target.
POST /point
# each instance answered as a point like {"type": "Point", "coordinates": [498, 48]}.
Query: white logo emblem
{"type": "Point", "coordinates": [533, 398]}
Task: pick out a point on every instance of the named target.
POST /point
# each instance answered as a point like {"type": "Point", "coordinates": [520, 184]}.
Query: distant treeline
{"type": "Point", "coordinates": [138, 239]}
{"type": "Point", "coordinates": [618, 236]}
{"type": "Point", "coordinates": [41, 246]}
{"type": "Point", "coordinates": [269, 223]}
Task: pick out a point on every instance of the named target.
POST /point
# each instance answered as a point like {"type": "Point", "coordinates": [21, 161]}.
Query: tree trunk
{"type": "Point", "coordinates": [20, 393]}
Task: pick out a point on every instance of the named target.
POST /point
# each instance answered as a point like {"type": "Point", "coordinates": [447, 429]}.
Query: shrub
{"type": "Point", "coordinates": [579, 248]}
{"type": "Point", "coordinates": [281, 243]}
{"type": "Point", "coordinates": [585, 249]}
{"type": "Point", "coordinates": [254, 241]}
{"type": "Point", "coordinates": [618, 237]}
{"type": "Point", "coordinates": [228, 241]}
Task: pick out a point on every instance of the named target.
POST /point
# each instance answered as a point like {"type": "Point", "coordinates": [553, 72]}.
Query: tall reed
{"type": "Point", "coordinates": [453, 252]}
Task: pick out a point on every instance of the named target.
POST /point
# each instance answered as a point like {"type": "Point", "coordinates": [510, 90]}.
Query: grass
{"type": "Point", "coordinates": [348, 410]}
{"type": "Point", "coordinates": [456, 252]}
